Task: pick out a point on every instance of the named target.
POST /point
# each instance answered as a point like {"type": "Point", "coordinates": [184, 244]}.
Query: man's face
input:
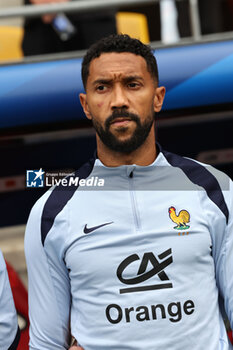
{"type": "Point", "coordinates": [121, 98]}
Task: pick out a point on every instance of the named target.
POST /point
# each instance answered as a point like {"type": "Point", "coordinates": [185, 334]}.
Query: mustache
{"type": "Point", "coordinates": [121, 113]}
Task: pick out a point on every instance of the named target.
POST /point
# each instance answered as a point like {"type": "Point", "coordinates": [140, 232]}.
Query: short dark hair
{"type": "Point", "coordinates": [119, 43]}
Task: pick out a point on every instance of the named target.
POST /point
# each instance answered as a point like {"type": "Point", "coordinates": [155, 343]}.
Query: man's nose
{"type": "Point", "coordinates": [119, 98]}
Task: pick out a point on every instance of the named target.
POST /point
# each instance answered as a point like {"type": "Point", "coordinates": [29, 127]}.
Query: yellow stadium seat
{"type": "Point", "coordinates": [133, 24]}
{"type": "Point", "coordinates": [10, 42]}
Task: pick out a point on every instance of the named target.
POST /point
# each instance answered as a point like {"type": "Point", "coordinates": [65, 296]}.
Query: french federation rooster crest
{"type": "Point", "coordinates": [181, 219]}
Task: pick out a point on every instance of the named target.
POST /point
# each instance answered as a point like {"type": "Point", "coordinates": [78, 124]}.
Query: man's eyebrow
{"type": "Point", "coordinates": [102, 81]}
{"type": "Point", "coordinates": [132, 77]}
{"type": "Point", "coordinates": [126, 79]}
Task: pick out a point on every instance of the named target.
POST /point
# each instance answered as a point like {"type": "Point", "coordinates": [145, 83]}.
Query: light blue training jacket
{"type": "Point", "coordinates": [142, 261]}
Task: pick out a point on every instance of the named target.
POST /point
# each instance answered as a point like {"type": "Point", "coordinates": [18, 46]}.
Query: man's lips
{"type": "Point", "coordinates": [121, 121]}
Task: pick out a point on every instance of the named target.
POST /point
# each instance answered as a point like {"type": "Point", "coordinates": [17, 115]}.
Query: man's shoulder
{"type": "Point", "coordinates": [54, 201]}
{"type": "Point", "coordinates": [195, 169]}
{"type": "Point", "coordinates": [62, 191]}
{"type": "Point", "coordinates": [216, 184]}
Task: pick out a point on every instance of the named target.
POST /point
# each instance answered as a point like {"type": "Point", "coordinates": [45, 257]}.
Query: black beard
{"type": "Point", "coordinates": [135, 141]}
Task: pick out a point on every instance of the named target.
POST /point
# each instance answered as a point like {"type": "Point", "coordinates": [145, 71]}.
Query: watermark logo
{"type": "Point", "coordinates": [35, 178]}
{"type": "Point", "coordinates": [60, 179]}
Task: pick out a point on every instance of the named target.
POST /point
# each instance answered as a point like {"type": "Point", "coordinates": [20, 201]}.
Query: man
{"type": "Point", "coordinates": [139, 263]}
{"type": "Point", "coordinates": [9, 330]}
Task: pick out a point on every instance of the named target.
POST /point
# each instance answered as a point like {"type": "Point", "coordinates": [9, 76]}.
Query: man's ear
{"type": "Point", "coordinates": [83, 101]}
{"type": "Point", "coordinates": [159, 98]}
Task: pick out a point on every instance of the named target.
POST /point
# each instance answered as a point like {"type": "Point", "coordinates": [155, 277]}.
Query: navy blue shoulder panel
{"type": "Point", "coordinates": [59, 198]}
{"type": "Point", "coordinates": [200, 176]}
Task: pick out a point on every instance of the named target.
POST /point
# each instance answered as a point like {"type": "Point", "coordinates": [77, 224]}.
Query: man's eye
{"type": "Point", "coordinates": [101, 87]}
{"type": "Point", "coordinates": [133, 85]}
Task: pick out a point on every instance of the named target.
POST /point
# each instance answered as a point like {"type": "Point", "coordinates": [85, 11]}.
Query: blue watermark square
{"type": "Point", "coordinates": [35, 178]}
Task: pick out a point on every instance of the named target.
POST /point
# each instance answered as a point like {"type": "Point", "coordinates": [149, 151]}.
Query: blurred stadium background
{"type": "Point", "coordinates": [11, 239]}
{"type": "Point", "coordinates": [41, 122]}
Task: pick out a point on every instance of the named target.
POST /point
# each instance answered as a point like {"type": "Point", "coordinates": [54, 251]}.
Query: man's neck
{"type": "Point", "coordinates": [144, 155]}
